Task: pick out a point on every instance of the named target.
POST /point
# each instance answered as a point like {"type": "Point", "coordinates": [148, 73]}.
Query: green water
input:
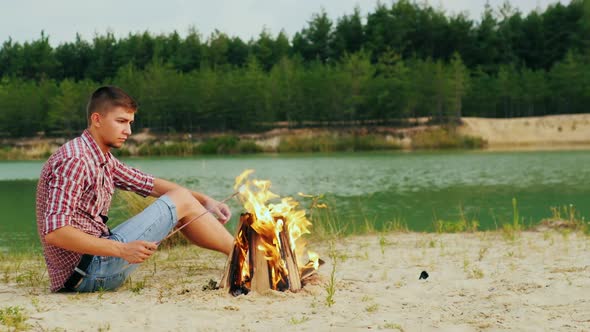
{"type": "Point", "coordinates": [375, 187]}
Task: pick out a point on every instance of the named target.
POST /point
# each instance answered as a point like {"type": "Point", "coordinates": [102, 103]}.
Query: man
{"type": "Point", "coordinates": [74, 195]}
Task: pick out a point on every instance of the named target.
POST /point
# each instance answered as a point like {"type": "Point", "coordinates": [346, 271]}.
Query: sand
{"type": "Point", "coordinates": [481, 281]}
{"type": "Point", "coordinates": [551, 132]}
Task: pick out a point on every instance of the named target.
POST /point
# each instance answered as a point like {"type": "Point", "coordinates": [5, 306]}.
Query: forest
{"type": "Point", "coordinates": [401, 60]}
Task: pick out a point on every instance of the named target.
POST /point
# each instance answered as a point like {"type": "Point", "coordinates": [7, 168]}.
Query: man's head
{"type": "Point", "coordinates": [106, 98]}
{"type": "Point", "coordinates": [110, 113]}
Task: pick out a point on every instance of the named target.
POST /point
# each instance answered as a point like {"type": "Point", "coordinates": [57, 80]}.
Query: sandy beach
{"type": "Point", "coordinates": [477, 281]}
{"type": "Point", "coordinates": [571, 131]}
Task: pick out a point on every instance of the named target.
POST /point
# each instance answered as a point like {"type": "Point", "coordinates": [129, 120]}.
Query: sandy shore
{"type": "Point", "coordinates": [552, 132]}
{"type": "Point", "coordinates": [482, 281]}
{"type": "Point", "coordinates": [543, 132]}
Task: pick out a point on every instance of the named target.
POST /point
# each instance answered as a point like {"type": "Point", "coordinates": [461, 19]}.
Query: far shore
{"type": "Point", "coordinates": [552, 132]}
{"type": "Point", "coordinates": [478, 281]}
{"type": "Point", "coordinates": [555, 132]}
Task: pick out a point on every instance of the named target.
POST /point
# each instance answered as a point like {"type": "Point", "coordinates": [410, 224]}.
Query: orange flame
{"type": "Point", "coordinates": [269, 221]}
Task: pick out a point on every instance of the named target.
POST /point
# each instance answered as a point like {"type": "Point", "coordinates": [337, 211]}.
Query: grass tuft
{"type": "Point", "coordinates": [464, 224]}
{"type": "Point", "coordinates": [297, 321]}
{"type": "Point", "coordinates": [14, 318]}
{"type": "Point", "coordinates": [512, 231]}
{"type": "Point", "coordinates": [331, 285]}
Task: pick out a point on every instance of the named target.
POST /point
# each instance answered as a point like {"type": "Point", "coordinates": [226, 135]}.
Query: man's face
{"type": "Point", "coordinates": [115, 127]}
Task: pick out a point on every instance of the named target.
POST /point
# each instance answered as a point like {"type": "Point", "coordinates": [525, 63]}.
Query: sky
{"type": "Point", "coordinates": [23, 20]}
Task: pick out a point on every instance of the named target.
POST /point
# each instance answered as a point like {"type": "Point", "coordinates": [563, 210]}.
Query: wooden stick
{"type": "Point", "coordinates": [195, 218]}
{"type": "Point", "coordinates": [261, 278]}
{"type": "Point", "coordinates": [291, 261]}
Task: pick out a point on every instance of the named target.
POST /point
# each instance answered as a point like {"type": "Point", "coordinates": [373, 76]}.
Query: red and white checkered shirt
{"type": "Point", "coordinates": [75, 188]}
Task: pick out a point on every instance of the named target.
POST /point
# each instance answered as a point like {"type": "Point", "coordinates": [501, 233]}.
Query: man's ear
{"type": "Point", "coordinates": [95, 119]}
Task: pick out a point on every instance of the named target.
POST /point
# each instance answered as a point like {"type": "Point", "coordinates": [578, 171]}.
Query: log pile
{"type": "Point", "coordinates": [249, 267]}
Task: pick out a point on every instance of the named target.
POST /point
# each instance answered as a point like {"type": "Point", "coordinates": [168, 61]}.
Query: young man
{"type": "Point", "coordinates": [74, 195]}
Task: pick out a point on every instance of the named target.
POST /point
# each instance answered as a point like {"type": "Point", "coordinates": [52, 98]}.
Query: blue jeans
{"type": "Point", "coordinates": [152, 224]}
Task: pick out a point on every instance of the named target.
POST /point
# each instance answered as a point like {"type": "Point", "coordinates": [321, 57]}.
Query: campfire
{"type": "Point", "coordinates": [268, 242]}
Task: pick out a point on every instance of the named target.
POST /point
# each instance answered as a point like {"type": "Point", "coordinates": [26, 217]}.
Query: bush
{"type": "Point", "coordinates": [330, 143]}
{"type": "Point", "coordinates": [170, 149]}
{"type": "Point", "coordinates": [248, 147]}
{"type": "Point", "coordinates": [218, 145]}
{"type": "Point", "coordinates": [442, 138]}
{"type": "Point", "coordinates": [228, 145]}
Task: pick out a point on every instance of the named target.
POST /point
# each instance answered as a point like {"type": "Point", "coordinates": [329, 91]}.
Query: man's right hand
{"type": "Point", "coordinates": [73, 239]}
{"type": "Point", "coordinates": [137, 251]}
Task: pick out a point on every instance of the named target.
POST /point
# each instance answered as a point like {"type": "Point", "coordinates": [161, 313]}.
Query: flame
{"type": "Point", "coordinates": [269, 221]}
{"type": "Point", "coordinates": [315, 258]}
{"type": "Point", "coordinates": [242, 244]}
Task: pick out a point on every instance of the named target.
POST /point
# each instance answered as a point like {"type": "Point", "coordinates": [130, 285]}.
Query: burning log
{"type": "Point", "coordinates": [267, 242]}
{"type": "Point", "coordinates": [250, 265]}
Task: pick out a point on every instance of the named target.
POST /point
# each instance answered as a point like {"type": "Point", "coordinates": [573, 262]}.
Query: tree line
{"type": "Point", "coordinates": [403, 60]}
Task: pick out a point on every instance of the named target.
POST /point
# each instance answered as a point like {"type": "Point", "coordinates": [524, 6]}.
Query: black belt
{"type": "Point", "coordinates": [80, 269]}
{"type": "Point", "coordinates": [79, 273]}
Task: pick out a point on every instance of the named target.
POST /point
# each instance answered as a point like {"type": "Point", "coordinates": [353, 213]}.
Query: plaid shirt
{"type": "Point", "coordinates": [75, 188]}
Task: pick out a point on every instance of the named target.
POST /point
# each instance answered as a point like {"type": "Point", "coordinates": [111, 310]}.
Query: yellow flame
{"type": "Point", "coordinates": [270, 219]}
{"type": "Point", "coordinates": [315, 258]}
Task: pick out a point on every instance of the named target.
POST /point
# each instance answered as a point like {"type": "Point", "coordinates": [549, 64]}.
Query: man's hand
{"type": "Point", "coordinates": [137, 251]}
{"type": "Point", "coordinates": [220, 210]}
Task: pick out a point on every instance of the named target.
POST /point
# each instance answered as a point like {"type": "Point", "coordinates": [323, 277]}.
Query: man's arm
{"type": "Point", "coordinates": [73, 239]}
{"type": "Point", "coordinates": [162, 186]}
{"type": "Point", "coordinates": [66, 184]}
{"type": "Point", "coordinates": [221, 210]}
{"type": "Point", "coordinates": [132, 179]}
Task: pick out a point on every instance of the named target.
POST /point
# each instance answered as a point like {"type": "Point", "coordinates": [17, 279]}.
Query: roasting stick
{"type": "Point", "coordinates": [197, 217]}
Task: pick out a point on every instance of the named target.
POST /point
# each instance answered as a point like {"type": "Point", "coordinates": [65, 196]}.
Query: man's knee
{"type": "Point", "coordinates": [184, 201]}
{"type": "Point", "coordinates": [180, 196]}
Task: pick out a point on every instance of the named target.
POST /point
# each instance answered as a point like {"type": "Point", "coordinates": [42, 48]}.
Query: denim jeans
{"type": "Point", "coordinates": [152, 224]}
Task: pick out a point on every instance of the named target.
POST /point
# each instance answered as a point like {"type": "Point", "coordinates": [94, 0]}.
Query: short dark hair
{"type": "Point", "coordinates": [107, 97]}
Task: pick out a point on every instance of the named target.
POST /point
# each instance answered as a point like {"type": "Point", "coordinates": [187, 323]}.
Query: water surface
{"type": "Point", "coordinates": [418, 188]}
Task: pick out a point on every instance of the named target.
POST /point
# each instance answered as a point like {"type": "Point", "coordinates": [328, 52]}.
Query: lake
{"type": "Point", "coordinates": [417, 187]}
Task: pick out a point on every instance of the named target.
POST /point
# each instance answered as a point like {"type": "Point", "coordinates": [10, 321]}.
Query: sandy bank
{"type": "Point", "coordinates": [555, 131]}
{"type": "Point", "coordinates": [477, 282]}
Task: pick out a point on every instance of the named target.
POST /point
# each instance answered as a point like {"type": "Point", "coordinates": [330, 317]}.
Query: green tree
{"type": "Point", "coordinates": [286, 90]}
{"type": "Point", "coordinates": [218, 49]}
{"type": "Point", "coordinates": [39, 59]}
{"type": "Point", "coordinates": [348, 34]}
{"type": "Point", "coordinates": [264, 50]}
{"type": "Point", "coordinates": [190, 52]}
{"type": "Point", "coordinates": [67, 110]}
{"type": "Point", "coordinates": [458, 80]}
{"type": "Point", "coordinates": [314, 41]}
{"type": "Point", "coordinates": [357, 72]}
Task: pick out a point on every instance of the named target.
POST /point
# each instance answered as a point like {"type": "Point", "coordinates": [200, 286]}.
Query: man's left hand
{"type": "Point", "coordinates": [220, 210]}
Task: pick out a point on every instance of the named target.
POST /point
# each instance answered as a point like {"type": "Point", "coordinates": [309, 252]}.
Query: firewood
{"type": "Point", "coordinates": [260, 274]}
{"type": "Point", "coordinates": [261, 277]}
{"type": "Point", "coordinates": [294, 282]}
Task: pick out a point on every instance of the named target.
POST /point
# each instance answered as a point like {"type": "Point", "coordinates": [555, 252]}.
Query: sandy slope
{"type": "Point", "coordinates": [477, 282]}
{"type": "Point", "coordinates": [554, 130]}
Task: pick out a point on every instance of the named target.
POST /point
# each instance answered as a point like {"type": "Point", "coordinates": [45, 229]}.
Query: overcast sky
{"type": "Point", "coordinates": [23, 20]}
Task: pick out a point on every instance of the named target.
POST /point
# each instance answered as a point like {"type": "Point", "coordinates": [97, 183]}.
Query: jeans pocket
{"type": "Point", "coordinates": [109, 283]}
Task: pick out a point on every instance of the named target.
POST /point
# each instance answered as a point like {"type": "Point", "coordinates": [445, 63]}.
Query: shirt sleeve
{"type": "Point", "coordinates": [131, 179]}
{"type": "Point", "coordinates": [65, 187]}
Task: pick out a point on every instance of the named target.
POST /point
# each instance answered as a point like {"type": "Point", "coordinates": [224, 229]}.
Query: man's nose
{"type": "Point", "coordinates": [127, 130]}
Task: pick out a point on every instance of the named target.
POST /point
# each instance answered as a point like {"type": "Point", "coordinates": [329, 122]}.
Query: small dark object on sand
{"type": "Point", "coordinates": [423, 275]}
{"type": "Point", "coordinates": [211, 285]}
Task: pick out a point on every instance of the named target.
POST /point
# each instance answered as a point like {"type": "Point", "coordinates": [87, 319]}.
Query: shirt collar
{"type": "Point", "coordinates": [98, 156]}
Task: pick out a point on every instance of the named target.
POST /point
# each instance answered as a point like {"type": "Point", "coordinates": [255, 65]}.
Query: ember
{"type": "Point", "coordinates": [268, 242]}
